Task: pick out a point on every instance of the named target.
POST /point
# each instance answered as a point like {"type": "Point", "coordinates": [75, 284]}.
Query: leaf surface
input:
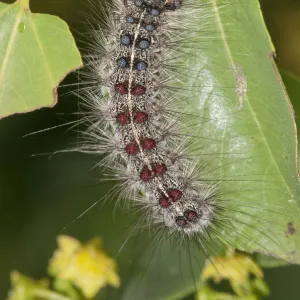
{"type": "Point", "coordinates": [36, 52]}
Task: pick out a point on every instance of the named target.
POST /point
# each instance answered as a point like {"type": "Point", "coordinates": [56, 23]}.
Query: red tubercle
{"type": "Point", "coordinates": [132, 148]}
{"type": "Point", "coordinates": [138, 90]}
{"type": "Point", "coordinates": [164, 203]}
{"type": "Point", "coordinates": [146, 174]}
{"type": "Point", "coordinates": [140, 117]}
{"type": "Point", "coordinates": [159, 168]}
{"type": "Point", "coordinates": [122, 119]}
{"type": "Point", "coordinates": [174, 195]}
{"type": "Point", "coordinates": [121, 88]}
{"type": "Point", "coordinates": [148, 144]}
{"type": "Point", "coordinates": [191, 215]}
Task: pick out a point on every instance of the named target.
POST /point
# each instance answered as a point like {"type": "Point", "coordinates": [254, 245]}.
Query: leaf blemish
{"type": "Point", "coordinates": [241, 86]}
{"type": "Point", "coordinates": [291, 229]}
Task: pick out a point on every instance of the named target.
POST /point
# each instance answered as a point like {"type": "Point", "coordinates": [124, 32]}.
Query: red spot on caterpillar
{"type": "Point", "coordinates": [159, 169]}
{"type": "Point", "coordinates": [164, 203]}
{"type": "Point", "coordinates": [132, 148]}
{"type": "Point", "coordinates": [181, 222]}
{"type": "Point", "coordinates": [146, 174]}
{"type": "Point", "coordinates": [148, 144]}
{"type": "Point", "coordinates": [140, 117]}
{"type": "Point", "coordinates": [191, 215]}
{"type": "Point", "coordinates": [138, 90]}
{"type": "Point", "coordinates": [122, 119]}
{"type": "Point", "coordinates": [121, 88]}
{"type": "Point", "coordinates": [174, 195]}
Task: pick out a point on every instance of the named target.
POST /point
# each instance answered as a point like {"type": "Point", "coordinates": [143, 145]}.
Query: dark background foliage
{"type": "Point", "coordinates": [41, 195]}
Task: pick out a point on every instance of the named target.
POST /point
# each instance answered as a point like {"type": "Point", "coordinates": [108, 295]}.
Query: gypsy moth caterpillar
{"type": "Point", "coordinates": [142, 116]}
{"type": "Point", "coordinates": [183, 129]}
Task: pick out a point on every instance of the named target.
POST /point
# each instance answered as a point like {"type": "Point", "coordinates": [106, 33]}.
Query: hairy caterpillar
{"type": "Point", "coordinates": [182, 138]}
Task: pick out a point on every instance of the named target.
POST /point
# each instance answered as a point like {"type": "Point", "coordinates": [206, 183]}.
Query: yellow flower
{"type": "Point", "coordinates": [236, 268]}
{"type": "Point", "coordinates": [87, 266]}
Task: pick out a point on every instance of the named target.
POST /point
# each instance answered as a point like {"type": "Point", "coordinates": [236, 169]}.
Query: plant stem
{"type": "Point", "coordinates": [49, 295]}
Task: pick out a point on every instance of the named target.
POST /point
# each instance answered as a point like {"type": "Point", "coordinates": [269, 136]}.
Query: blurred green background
{"type": "Point", "coordinates": [41, 195]}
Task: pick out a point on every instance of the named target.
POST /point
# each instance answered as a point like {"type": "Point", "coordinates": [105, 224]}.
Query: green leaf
{"type": "Point", "coordinates": [251, 118]}
{"type": "Point", "coordinates": [230, 80]}
{"type": "Point", "coordinates": [36, 52]}
{"type": "Point", "coordinates": [292, 84]}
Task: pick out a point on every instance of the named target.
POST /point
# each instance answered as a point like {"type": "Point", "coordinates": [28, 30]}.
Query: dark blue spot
{"type": "Point", "coordinates": [126, 40]}
{"type": "Point", "coordinates": [154, 12]}
{"type": "Point", "coordinates": [144, 44]}
{"type": "Point", "coordinates": [141, 66]}
{"type": "Point", "coordinates": [150, 27]}
{"type": "Point", "coordinates": [122, 62]}
{"type": "Point", "coordinates": [139, 3]}
{"type": "Point", "coordinates": [130, 19]}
